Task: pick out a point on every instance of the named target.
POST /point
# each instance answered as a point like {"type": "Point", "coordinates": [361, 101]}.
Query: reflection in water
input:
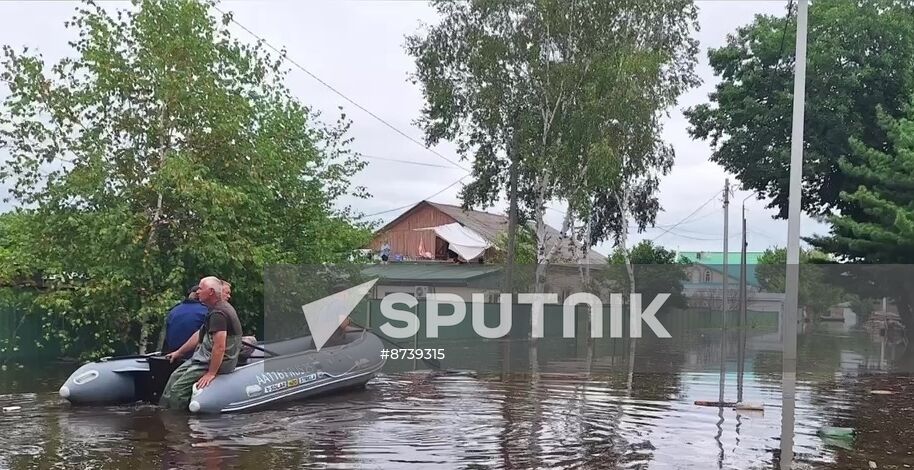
{"type": "Point", "coordinates": [597, 409]}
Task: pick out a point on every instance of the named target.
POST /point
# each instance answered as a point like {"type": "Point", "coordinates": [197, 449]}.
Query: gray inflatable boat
{"type": "Point", "coordinates": [276, 372]}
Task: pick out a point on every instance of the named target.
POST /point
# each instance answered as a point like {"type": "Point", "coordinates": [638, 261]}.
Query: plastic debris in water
{"type": "Point", "coordinates": [882, 392]}
{"type": "Point", "coordinates": [10, 409]}
{"type": "Point", "coordinates": [842, 443]}
{"type": "Point", "coordinates": [836, 432]}
{"type": "Point", "coordinates": [715, 403]}
{"type": "Point", "coordinates": [750, 406]}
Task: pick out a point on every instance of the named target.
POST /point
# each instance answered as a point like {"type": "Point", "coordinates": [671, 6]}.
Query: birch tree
{"type": "Point", "coordinates": [557, 76]}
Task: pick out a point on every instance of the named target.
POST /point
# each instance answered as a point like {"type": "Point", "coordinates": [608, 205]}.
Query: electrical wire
{"type": "Point", "coordinates": [413, 204]}
{"type": "Point", "coordinates": [784, 29]}
{"type": "Point", "coordinates": [367, 111]}
{"type": "Point", "coordinates": [681, 221]}
{"type": "Point", "coordinates": [408, 162]}
{"type": "Point", "coordinates": [717, 239]}
{"type": "Point", "coordinates": [781, 47]}
{"type": "Point", "coordinates": [330, 87]}
{"type": "Point", "coordinates": [658, 226]}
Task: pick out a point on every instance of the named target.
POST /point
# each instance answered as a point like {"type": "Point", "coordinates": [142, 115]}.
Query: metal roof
{"type": "Point", "coordinates": [717, 257]}
{"type": "Point", "coordinates": [488, 225]}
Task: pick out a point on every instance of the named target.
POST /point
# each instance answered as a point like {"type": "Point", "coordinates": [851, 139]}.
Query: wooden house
{"type": "Point", "coordinates": [416, 235]}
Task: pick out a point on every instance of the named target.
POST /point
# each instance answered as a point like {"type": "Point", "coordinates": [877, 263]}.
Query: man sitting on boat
{"type": "Point", "coordinates": [215, 348]}
{"type": "Point", "coordinates": [183, 321]}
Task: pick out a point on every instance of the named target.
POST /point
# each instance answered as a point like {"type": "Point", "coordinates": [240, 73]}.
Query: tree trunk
{"type": "Point", "coordinates": [144, 337]}
{"type": "Point", "coordinates": [541, 236]}
{"type": "Point", "coordinates": [623, 241]}
{"type": "Point", "coordinates": [511, 259]}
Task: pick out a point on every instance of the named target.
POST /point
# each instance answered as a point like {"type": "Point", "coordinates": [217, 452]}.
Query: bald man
{"type": "Point", "coordinates": [216, 347]}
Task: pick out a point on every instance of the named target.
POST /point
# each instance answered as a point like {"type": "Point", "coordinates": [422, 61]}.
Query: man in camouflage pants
{"type": "Point", "coordinates": [216, 347]}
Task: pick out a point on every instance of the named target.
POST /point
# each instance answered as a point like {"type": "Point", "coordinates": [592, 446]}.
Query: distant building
{"type": "Point", "coordinates": [706, 269]}
{"type": "Point", "coordinates": [430, 231]}
{"type": "Point", "coordinates": [705, 285]}
{"type": "Point", "coordinates": [427, 239]}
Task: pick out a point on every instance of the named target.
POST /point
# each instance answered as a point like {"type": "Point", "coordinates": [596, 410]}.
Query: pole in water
{"type": "Point", "coordinates": [726, 239]}
{"type": "Point", "coordinates": [743, 304]}
{"type": "Point", "coordinates": [724, 305]}
{"type": "Point", "coordinates": [789, 357]}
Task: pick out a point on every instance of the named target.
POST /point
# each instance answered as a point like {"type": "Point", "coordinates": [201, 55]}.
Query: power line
{"type": "Point", "coordinates": [717, 239]}
{"type": "Point", "coordinates": [681, 230]}
{"type": "Point", "coordinates": [656, 226]}
{"type": "Point", "coordinates": [413, 204]}
{"type": "Point", "coordinates": [408, 162]}
{"type": "Point", "coordinates": [784, 29]}
{"type": "Point", "coordinates": [703, 217]}
{"type": "Point", "coordinates": [686, 217]}
{"type": "Point", "coordinates": [341, 94]}
{"type": "Point", "coordinates": [762, 234]}
{"type": "Point", "coordinates": [781, 47]}
{"type": "Point", "coordinates": [670, 226]}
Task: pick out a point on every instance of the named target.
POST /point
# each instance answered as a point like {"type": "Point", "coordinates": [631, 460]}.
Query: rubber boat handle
{"type": "Point", "coordinates": [254, 346]}
{"type": "Point", "coordinates": [131, 356]}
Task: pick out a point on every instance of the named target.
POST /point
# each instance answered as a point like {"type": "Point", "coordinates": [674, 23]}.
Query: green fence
{"type": "Point", "coordinates": [21, 330]}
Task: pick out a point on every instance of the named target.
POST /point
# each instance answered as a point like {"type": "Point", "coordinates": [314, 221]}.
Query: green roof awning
{"type": "Point", "coordinates": [717, 257]}
{"type": "Point", "coordinates": [430, 273]}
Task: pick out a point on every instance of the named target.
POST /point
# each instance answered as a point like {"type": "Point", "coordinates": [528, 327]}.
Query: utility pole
{"type": "Point", "coordinates": [743, 275]}
{"type": "Point", "coordinates": [743, 300]}
{"type": "Point", "coordinates": [723, 313]}
{"type": "Point", "coordinates": [726, 239]}
{"type": "Point", "coordinates": [789, 357]}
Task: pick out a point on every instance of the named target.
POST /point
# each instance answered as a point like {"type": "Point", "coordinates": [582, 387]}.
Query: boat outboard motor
{"type": "Point", "coordinates": [150, 386]}
{"type": "Point", "coordinates": [118, 380]}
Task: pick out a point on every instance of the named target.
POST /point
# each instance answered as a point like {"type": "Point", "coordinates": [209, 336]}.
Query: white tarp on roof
{"type": "Point", "coordinates": [461, 240]}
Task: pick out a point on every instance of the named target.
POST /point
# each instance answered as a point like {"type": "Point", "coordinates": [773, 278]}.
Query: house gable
{"type": "Point", "coordinates": [402, 235]}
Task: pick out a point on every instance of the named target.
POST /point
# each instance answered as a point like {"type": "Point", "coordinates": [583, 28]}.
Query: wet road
{"type": "Point", "coordinates": [600, 410]}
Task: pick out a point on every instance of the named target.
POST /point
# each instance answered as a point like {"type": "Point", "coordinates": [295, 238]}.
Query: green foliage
{"type": "Point", "coordinates": [645, 252]}
{"type": "Point", "coordinates": [524, 247]}
{"type": "Point", "coordinates": [21, 335]}
{"type": "Point", "coordinates": [879, 229]}
{"type": "Point", "coordinates": [572, 92]}
{"type": "Point", "coordinates": [162, 150]}
{"type": "Point", "coordinates": [860, 58]}
{"type": "Point", "coordinates": [817, 292]}
{"type": "Point", "coordinates": [656, 269]}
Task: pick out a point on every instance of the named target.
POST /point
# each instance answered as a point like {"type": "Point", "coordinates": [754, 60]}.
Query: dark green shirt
{"type": "Point", "coordinates": [221, 317]}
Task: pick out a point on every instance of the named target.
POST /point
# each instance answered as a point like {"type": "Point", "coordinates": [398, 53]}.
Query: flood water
{"type": "Point", "coordinates": [604, 409]}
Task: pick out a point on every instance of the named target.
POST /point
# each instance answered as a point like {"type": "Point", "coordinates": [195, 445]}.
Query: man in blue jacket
{"type": "Point", "coordinates": [184, 320]}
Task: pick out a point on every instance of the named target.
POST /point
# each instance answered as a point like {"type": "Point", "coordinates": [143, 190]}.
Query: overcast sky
{"type": "Point", "coordinates": [357, 47]}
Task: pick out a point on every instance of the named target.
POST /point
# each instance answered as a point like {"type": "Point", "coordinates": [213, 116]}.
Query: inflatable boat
{"type": "Point", "coordinates": [275, 372]}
